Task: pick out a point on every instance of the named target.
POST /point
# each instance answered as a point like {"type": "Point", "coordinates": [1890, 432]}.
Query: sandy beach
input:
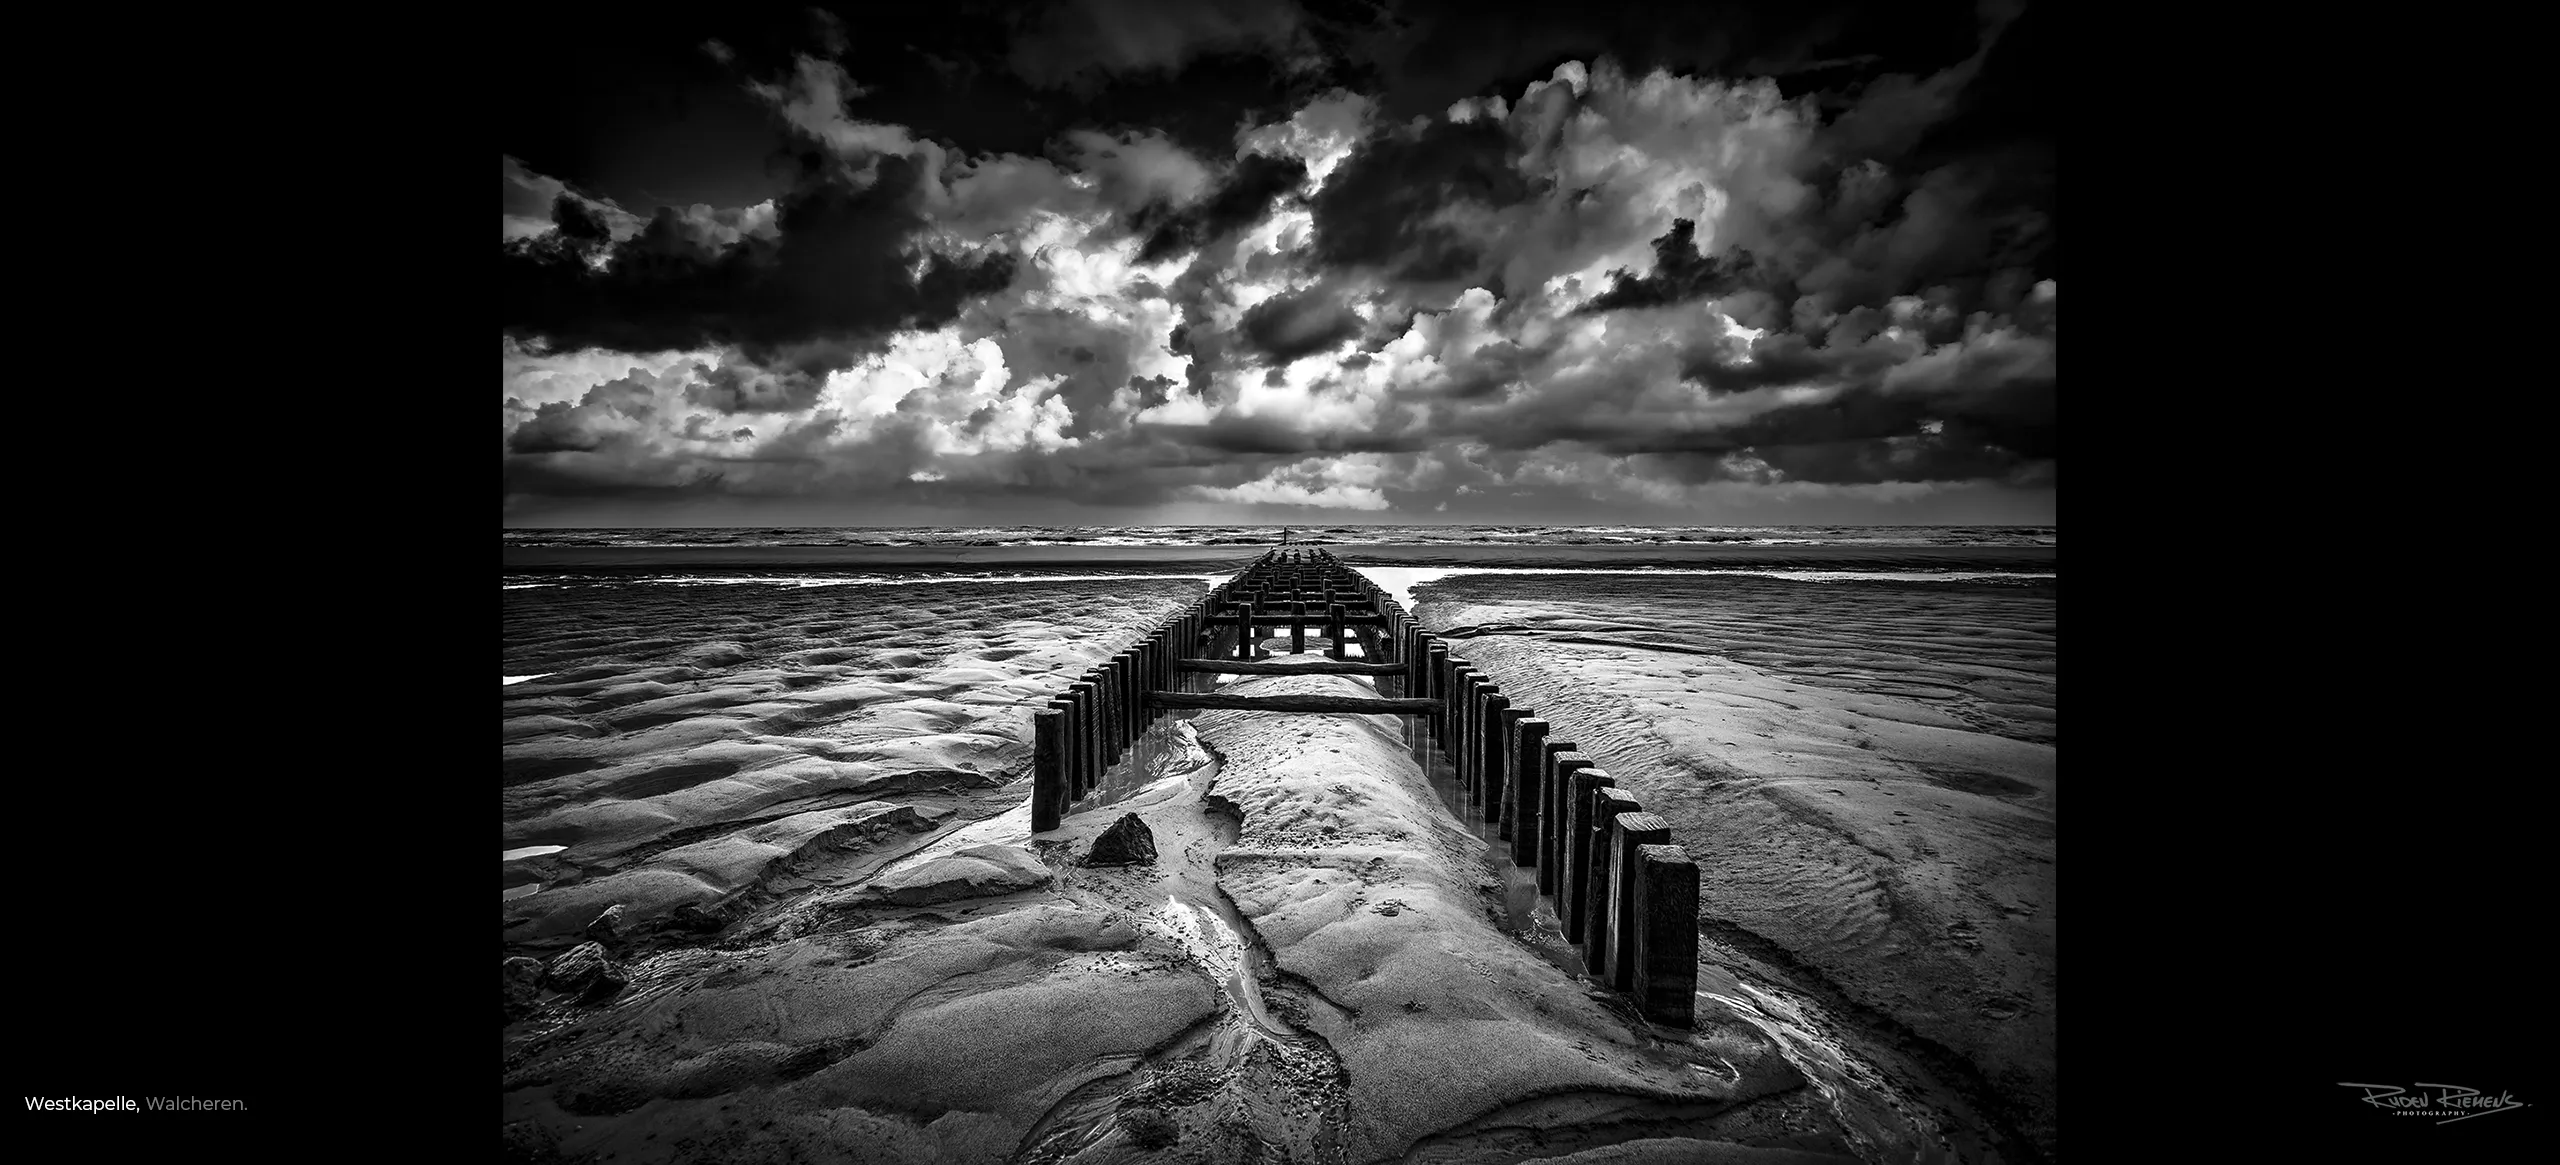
{"type": "Point", "coordinates": [779, 832]}
{"type": "Point", "coordinates": [663, 722]}
{"type": "Point", "coordinates": [1865, 773]}
{"type": "Point", "coordinates": [1312, 969]}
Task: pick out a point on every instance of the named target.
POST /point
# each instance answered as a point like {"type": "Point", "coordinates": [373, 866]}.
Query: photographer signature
{"type": "Point", "coordinates": [2453, 1102]}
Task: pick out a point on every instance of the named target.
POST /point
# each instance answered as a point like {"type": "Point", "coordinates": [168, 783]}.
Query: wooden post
{"type": "Point", "coordinates": [1333, 630]}
{"type": "Point", "coordinates": [1477, 712]}
{"type": "Point", "coordinates": [1434, 657]}
{"type": "Point", "coordinates": [1666, 918]}
{"type": "Point", "coordinates": [1151, 653]}
{"type": "Point", "coordinates": [1134, 679]}
{"type": "Point", "coordinates": [1495, 733]}
{"type": "Point", "coordinates": [1048, 775]}
{"type": "Point", "coordinates": [1115, 690]}
{"type": "Point", "coordinates": [1125, 674]}
{"type": "Point", "coordinates": [1102, 754]}
{"type": "Point", "coordinates": [1582, 802]}
{"type": "Point", "coordinates": [1448, 670]}
{"type": "Point", "coordinates": [1527, 751]}
{"type": "Point", "coordinates": [1068, 757]}
{"type": "Point", "coordinates": [1461, 690]}
{"type": "Point", "coordinates": [1088, 698]}
{"type": "Point", "coordinates": [1557, 837]}
{"type": "Point", "coordinates": [1447, 695]}
{"type": "Point", "coordinates": [1192, 647]}
{"type": "Point", "coordinates": [1150, 679]}
{"type": "Point", "coordinates": [1470, 690]}
{"type": "Point", "coordinates": [1618, 948]}
{"type": "Point", "coordinates": [1112, 698]}
{"type": "Point", "coordinates": [1599, 884]}
{"type": "Point", "coordinates": [1297, 627]}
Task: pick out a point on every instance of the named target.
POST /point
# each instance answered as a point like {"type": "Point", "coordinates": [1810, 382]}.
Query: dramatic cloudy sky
{"type": "Point", "coordinates": [1226, 261]}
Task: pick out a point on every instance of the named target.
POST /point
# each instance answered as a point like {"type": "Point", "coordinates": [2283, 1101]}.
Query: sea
{"type": "Point", "coordinates": [840, 556]}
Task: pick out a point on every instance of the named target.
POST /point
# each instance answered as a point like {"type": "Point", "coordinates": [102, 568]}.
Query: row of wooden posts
{"type": "Point", "coordinates": [1623, 892]}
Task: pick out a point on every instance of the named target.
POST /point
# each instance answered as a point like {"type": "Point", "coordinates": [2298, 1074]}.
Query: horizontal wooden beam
{"type": "Point", "coordinates": [1317, 665]}
{"type": "Point", "coordinates": [1315, 617]}
{"type": "Point", "coordinates": [1291, 703]}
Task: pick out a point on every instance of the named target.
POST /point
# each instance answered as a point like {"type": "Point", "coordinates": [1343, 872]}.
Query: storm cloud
{"type": "Point", "coordinates": [1722, 266]}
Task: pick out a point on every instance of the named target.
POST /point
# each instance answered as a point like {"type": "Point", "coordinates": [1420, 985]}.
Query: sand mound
{"type": "Point", "coordinates": [974, 872]}
{"type": "Point", "coordinates": [1369, 893]}
{"type": "Point", "coordinates": [706, 872]}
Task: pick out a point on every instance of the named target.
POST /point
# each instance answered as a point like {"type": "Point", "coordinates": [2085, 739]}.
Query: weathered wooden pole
{"type": "Point", "coordinates": [1150, 675]}
{"type": "Point", "coordinates": [1132, 687]}
{"type": "Point", "coordinates": [1557, 837]}
{"type": "Point", "coordinates": [1333, 630]}
{"type": "Point", "coordinates": [1446, 667]}
{"type": "Point", "coordinates": [1088, 698]}
{"type": "Point", "coordinates": [1666, 916]}
{"type": "Point", "coordinates": [1606, 805]}
{"type": "Point", "coordinates": [1491, 775]}
{"type": "Point", "coordinates": [1453, 742]}
{"type": "Point", "coordinates": [1106, 707]}
{"type": "Point", "coordinates": [1115, 700]}
{"type": "Point", "coordinates": [1107, 685]}
{"type": "Point", "coordinates": [1527, 751]}
{"type": "Point", "coordinates": [1048, 774]}
{"type": "Point", "coordinates": [1434, 666]}
{"type": "Point", "coordinates": [1160, 658]}
{"type": "Point", "coordinates": [1477, 711]}
{"type": "Point", "coordinates": [1192, 639]}
{"type": "Point", "coordinates": [1618, 950]}
{"type": "Point", "coordinates": [1068, 758]}
{"type": "Point", "coordinates": [1462, 690]}
{"type": "Point", "coordinates": [1582, 803]}
{"type": "Point", "coordinates": [1297, 627]}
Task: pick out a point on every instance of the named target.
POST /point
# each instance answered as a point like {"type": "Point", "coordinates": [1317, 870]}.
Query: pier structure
{"type": "Point", "coordinates": [1625, 895]}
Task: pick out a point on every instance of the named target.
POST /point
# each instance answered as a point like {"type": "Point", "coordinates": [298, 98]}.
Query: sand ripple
{"type": "Point", "coordinates": [1865, 773]}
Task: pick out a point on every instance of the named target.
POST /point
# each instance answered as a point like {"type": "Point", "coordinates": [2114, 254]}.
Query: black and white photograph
{"type": "Point", "coordinates": [1330, 582]}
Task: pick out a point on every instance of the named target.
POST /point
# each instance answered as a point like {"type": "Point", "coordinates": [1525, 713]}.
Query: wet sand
{"type": "Point", "coordinates": [842, 942]}
{"type": "Point", "coordinates": [694, 744]}
{"type": "Point", "coordinates": [1313, 969]}
{"type": "Point", "coordinates": [1865, 773]}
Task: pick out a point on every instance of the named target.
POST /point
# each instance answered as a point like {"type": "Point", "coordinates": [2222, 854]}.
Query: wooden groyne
{"type": "Point", "coordinates": [1626, 896]}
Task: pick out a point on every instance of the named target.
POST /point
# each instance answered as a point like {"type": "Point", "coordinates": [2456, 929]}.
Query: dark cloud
{"type": "Point", "coordinates": [1383, 208]}
{"type": "Point", "coordinates": [1882, 216]}
{"type": "Point", "coordinates": [1780, 360]}
{"type": "Point", "coordinates": [552, 430]}
{"type": "Point", "coordinates": [842, 269]}
{"type": "Point", "coordinates": [1241, 199]}
{"type": "Point", "coordinates": [1288, 326]}
{"type": "Point", "coordinates": [1435, 52]}
{"type": "Point", "coordinates": [1679, 273]}
{"type": "Point", "coordinates": [1231, 433]}
{"type": "Point", "coordinates": [743, 388]}
{"type": "Point", "coordinates": [578, 224]}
